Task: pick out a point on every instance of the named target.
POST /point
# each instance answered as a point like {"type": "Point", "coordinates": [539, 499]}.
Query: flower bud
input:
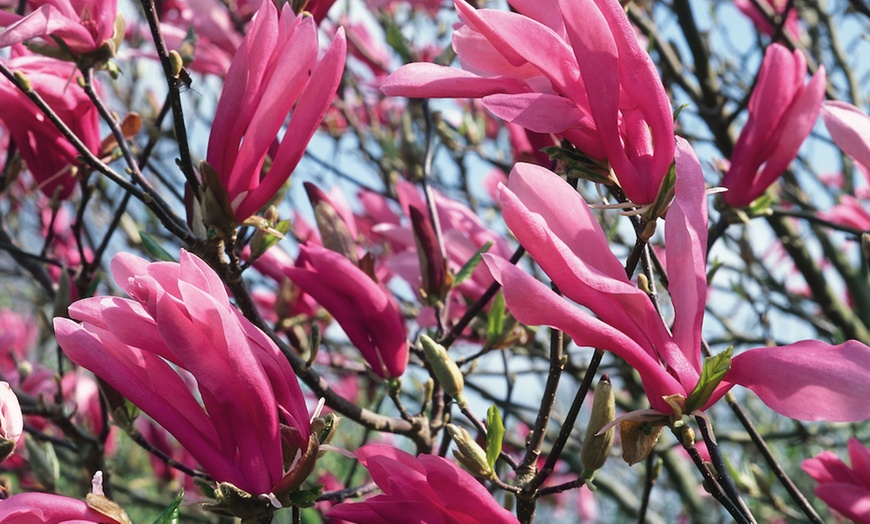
{"type": "Point", "coordinates": [11, 421]}
{"type": "Point", "coordinates": [469, 453]}
{"type": "Point", "coordinates": [444, 368]}
{"type": "Point", "coordinates": [434, 278]}
{"type": "Point", "coordinates": [596, 447]}
{"type": "Point", "coordinates": [334, 232]}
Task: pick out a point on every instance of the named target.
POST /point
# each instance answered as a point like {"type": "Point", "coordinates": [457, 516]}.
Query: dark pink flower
{"type": "Point", "coordinates": [365, 310]}
{"type": "Point", "coordinates": [180, 316]}
{"type": "Point", "coordinates": [83, 25]}
{"type": "Point", "coordinates": [808, 380]}
{"type": "Point", "coordinates": [782, 112]}
{"type": "Point", "coordinates": [275, 68]}
{"type": "Point", "coordinates": [50, 158]}
{"type": "Point", "coordinates": [423, 489]}
{"type": "Point", "coordinates": [845, 489]}
{"type": "Point", "coordinates": [748, 8]}
{"type": "Point", "coordinates": [45, 508]}
{"type": "Point", "coordinates": [569, 67]}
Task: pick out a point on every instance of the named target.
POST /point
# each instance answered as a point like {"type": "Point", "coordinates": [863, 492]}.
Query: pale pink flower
{"type": "Point", "coordinates": [782, 112]}
{"type": "Point", "coordinates": [808, 380]}
{"type": "Point", "coordinates": [850, 212]}
{"type": "Point", "coordinates": [248, 401]}
{"type": "Point", "coordinates": [566, 67]}
{"type": "Point", "coordinates": [850, 129]}
{"type": "Point", "coordinates": [11, 419]}
{"type": "Point", "coordinates": [50, 158]}
{"type": "Point", "coordinates": [845, 489]}
{"type": "Point", "coordinates": [275, 68]}
{"type": "Point", "coordinates": [83, 25]}
{"type": "Point", "coordinates": [426, 488]}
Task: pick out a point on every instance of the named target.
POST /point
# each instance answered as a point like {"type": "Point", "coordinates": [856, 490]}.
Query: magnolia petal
{"type": "Point", "coordinates": [424, 80]}
{"type": "Point", "coordinates": [538, 112]}
{"type": "Point", "coordinates": [850, 129]}
{"type": "Point", "coordinates": [808, 380]}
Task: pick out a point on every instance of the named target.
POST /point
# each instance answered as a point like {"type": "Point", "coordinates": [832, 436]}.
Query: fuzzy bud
{"type": "Point", "coordinates": [444, 368]}
{"type": "Point", "coordinates": [469, 453]}
{"type": "Point", "coordinates": [596, 447]}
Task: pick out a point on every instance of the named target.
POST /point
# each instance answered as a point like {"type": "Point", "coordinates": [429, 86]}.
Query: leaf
{"type": "Point", "coordinates": [170, 514]}
{"type": "Point", "coordinates": [494, 434]}
{"type": "Point", "coordinates": [466, 270]}
{"type": "Point", "coordinates": [154, 249]}
{"type": "Point", "coordinates": [712, 373]}
{"type": "Point", "coordinates": [495, 319]}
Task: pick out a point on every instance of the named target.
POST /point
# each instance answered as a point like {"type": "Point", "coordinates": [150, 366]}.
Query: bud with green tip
{"type": "Point", "coordinates": [469, 453]}
{"type": "Point", "coordinates": [445, 369]}
{"type": "Point", "coordinates": [596, 447]}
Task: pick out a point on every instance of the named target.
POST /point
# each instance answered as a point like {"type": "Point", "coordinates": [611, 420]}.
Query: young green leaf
{"type": "Point", "coordinates": [494, 434]}
{"type": "Point", "coordinates": [712, 373]}
{"type": "Point", "coordinates": [466, 270]}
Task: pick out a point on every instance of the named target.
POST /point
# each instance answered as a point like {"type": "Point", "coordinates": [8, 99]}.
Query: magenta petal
{"type": "Point", "coordinates": [533, 303]}
{"type": "Point", "coordinates": [423, 80]}
{"type": "Point", "coordinates": [538, 112]}
{"type": "Point", "coordinates": [852, 501]}
{"type": "Point", "coordinates": [808, 380]}
{"type": "Point", "coordinates": [686, 241]}
{"type": "Point", "coordinates": [33, 508]}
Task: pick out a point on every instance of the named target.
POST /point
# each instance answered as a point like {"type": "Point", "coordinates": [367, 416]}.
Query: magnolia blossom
{"type": "Point", "coordinates": [45, 508]}
{"type": "Point", "coordinates": [850, 129]}
{"type": "Point", "coordinates": [275, 67]}
{"type": "Point", "coordinates": [365, 310]}
{"type": "Point", "coordinates": [808, 380]}
{"type": "Point", "coordinates": [782, 112]}
{"type": "Point", "coordinates": [11, 420]}
{"type": "Point", "coordinates": [50, 158]}
{"type": "Point", "coordinates": [248, 404]}
{"type": "Point", "coordinates": [427, 488]}
{"type": "Point", "coordinates": [569, 67]}
{"type": "Point", "coordinates": [845, 489]}
{"type": "Point", "coordinates": [83, 25]}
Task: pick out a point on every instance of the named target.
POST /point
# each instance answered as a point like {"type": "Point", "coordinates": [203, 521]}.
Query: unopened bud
{"type": "Point", "coordinates": [433, 265]}
{"type": "Point", "coordinates": [469, 453]}
{"type": "Point", "coordinates": [334, 231]}
{"type": "Point", "coordinates": [596, 447]}
{"type": "Point", "coordinates": [446, 371]}
{"type": "Point", "coordinates": [11, 421]}
{"type": "Point", "coordinates": [176, 63]}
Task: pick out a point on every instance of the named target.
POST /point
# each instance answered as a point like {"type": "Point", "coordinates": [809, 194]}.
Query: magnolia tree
{"type": "Point", "coordinates": [572, 259]}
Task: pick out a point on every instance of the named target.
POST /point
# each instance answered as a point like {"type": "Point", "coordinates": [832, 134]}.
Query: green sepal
{"type": "Point", "coordinates": [154, 249]}
{"type": "Point", "coordinates": [471, 265]}
{"type": "Point", "coordinates": [171, 514]}
{"type": "Point", "coordinates": [305, 498]}
{"type": "Point", "coordinates": [495, 319]}
{"type": "Point", "coordinates": [712, 373]}
{"type": "Point", "coordinates": [494, 434]}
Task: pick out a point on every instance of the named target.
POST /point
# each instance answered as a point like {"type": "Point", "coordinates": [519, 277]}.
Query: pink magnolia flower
{"type": "Point", "coordinates": [782, 112]}
{"type": "Point", "coordinates": [45, 508]}
{"type": "Point", "coordinates": [50, 158]}
{"type": "Point", "coordinates": [850, 129]}
{"type": "Point", "coordinates": [845, 489]}
{"type": "Point", "coordinates": [275, 67]}
{"type": "Point", "coordinates": [11, 420]}
{"type": "Point", "coordinates": [569, 67]}
{"type": "Point", "coordinates": [180, 315]}
{"type": "Point", "coordinates": [849, 212]}
{"type": "Point", "coordinates": [427, 488]}
{"type": "Point", "coordinates": [365, 310]}
{"type": "Point", "coordinates": [83, 25]}
{"type": "Point", "coordinates": [808, 380]}
{"type": "Point", "coordinates": [751, 11]}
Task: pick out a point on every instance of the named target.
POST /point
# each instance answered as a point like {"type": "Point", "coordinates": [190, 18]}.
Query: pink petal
{"type": "Point", "coordinates": [538, 112]}
{"type": "Point", "coordinates": [850, 129]}
{"type": "Point", "coordinates": [852, 501]}
{"type": "Point", "coordinates": [809, 380]}
{"type": "Point", "coordinates": [686, 252]}
{"type": "Point", "coordinates": [424, 80]}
